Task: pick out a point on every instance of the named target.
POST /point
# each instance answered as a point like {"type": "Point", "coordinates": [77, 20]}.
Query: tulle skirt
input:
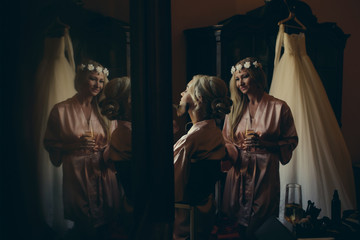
{"type": "Point", "coordinates": [321, 162]}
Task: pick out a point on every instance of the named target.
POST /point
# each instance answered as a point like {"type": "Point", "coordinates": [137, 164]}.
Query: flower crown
{"type": "Point", "coordinates": [91, 67]}
{"type": "Point", "coordinates": [247, 65]}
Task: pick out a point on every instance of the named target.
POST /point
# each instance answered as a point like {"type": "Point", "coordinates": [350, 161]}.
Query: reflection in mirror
{"type": "Point", "coordinates": [76, 137]}
{"type": "Point", "coordinates": [67, 35]}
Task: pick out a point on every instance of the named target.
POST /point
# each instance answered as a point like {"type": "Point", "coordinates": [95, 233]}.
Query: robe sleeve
{"type": "Point", "coordinates": [288, 135]}
{"type": "Point", "coordinates": [106, 147]}
{"type": "Point", "coordinates": [52, 138]}
{"type": "Point", "coordinates": [120, 145]}
{"type": "Point", "coordinates": [231, 150]}
{"type": "Point", "coordinates": [182, 161]}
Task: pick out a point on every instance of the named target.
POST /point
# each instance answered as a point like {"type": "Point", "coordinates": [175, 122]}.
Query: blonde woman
{"type": "Point", "coordinates": [197, 154]}
{"type": "Point", "coordinates": [75, 138]}
{"type": "Point", "coordinates": [259, 134]}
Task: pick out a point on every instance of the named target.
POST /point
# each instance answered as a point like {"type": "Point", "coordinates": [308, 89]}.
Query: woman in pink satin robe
{"type": "Point", "coordinates": [197, 154]}
{"type": "Point", "coordinates": [259, 134]}
{"type": "Point", "coordinates": [76, 137]}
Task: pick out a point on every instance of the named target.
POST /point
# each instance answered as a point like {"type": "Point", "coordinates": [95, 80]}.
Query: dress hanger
{"type": "Point", "coordinates": [292, 17]}
{"type": "Point", "coordinates": [57, 28]}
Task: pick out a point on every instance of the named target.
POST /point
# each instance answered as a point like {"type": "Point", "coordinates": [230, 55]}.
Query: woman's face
{"type": "Point", "coordinates": [95, 83]}
{"type": "Point", "coordinates": [186, 101]}
{"type": "Point", "coordinates": [244, 82]}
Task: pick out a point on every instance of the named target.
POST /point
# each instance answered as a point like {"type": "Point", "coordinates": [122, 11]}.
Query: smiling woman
{"type": "Point", "coordinates": [251, 192]}
{"type": "Point", "coordinates": [76, 137]}
{"type": "Point", "coordinates": [94, 79]}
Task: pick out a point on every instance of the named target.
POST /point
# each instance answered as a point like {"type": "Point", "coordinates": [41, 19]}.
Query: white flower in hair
{"type": "Point", "coordinates": [106, 71]}
{"type": "Point", "coordinates": [91, 67]}
{"type": "Point", "coordinates": [247, 65]}
{"type": "Point", "coordinates": [99, 69]}
{"type": "Point", "coordinates": [239, 67]}
{"type": "Point", "coordinates": [256, 64]}
{"type": "Point", "coordinates": [233, 70]}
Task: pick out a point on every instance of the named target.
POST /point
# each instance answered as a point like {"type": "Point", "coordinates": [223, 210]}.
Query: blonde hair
{"type": "Point", "coordinates": [115, 106]}
{"type": "Point", "coordinates": [81, 81]}
{"type": "Point", "coordinates": [212, 92]}
{"type": "Point", "coordinates": [240, 101]}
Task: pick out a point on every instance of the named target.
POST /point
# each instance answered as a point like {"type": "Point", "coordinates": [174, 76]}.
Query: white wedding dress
{"type": "Point", "coordinates": [54, 83]}
{"type": "Point", "coordinates": [321, 162]}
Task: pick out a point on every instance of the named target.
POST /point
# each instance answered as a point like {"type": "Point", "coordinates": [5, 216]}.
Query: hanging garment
{"type": "Point", "coordinates": [321, 163]}
{"type": "Point", "coordinates": [54, 83]}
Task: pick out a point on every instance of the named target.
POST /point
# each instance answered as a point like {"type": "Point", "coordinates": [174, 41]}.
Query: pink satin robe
{"type": "Point", "coordinates": [120, 152]}
{"type": "Point", "coordinates": [203, 144]}
{"type": "Point", "coordinates": [120, 143]}
{"type": "Point", "coordinates": [90, 189]}
{"type": "Point", "coordinates": [252, 191]}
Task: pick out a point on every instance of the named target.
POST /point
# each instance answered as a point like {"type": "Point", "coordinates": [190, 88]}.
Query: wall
{"type": "Point", "coordinates": [200, 13]}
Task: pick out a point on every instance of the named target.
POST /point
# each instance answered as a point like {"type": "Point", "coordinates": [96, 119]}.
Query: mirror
{"type": "Point", "coordinates": [23, 175]}
{"type": "Point", "coordinates": [63, 34]}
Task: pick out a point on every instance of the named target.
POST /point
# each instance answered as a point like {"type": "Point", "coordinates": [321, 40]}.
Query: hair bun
{"type": "Point", "coordinates": [221, 107]}
{"type": "Point", "coordinates": [110, 108]}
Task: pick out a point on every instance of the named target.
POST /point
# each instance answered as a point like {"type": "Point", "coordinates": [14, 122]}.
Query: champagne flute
{"type": "Point", "coordinates": [293, 203]}
{"type": "Point", "coordinates": [89, 133]}
{"type": "Point", "coordinates": [89, 137]}
{"type": "Point", "coordinates": [249, 131]}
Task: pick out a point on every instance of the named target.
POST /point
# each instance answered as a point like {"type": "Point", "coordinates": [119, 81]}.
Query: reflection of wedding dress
{"type": "Point", "coordinates": [55, 83]}
{"type": "Point", "coordinates": [321, 163]}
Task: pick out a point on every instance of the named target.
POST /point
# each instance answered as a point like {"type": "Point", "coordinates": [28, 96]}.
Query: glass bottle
{"type": "Point", "coordinates": [336, 208]}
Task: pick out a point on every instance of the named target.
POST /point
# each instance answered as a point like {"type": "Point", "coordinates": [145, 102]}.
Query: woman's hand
{"type": "Point", "coordinates": [87, 142]}
{"type": "Point", "coordinates": [84, 142]}
{"type": "Point", "coordinates": [255, 140]}
{"type": "Point", "coordinates": [251, 140]}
